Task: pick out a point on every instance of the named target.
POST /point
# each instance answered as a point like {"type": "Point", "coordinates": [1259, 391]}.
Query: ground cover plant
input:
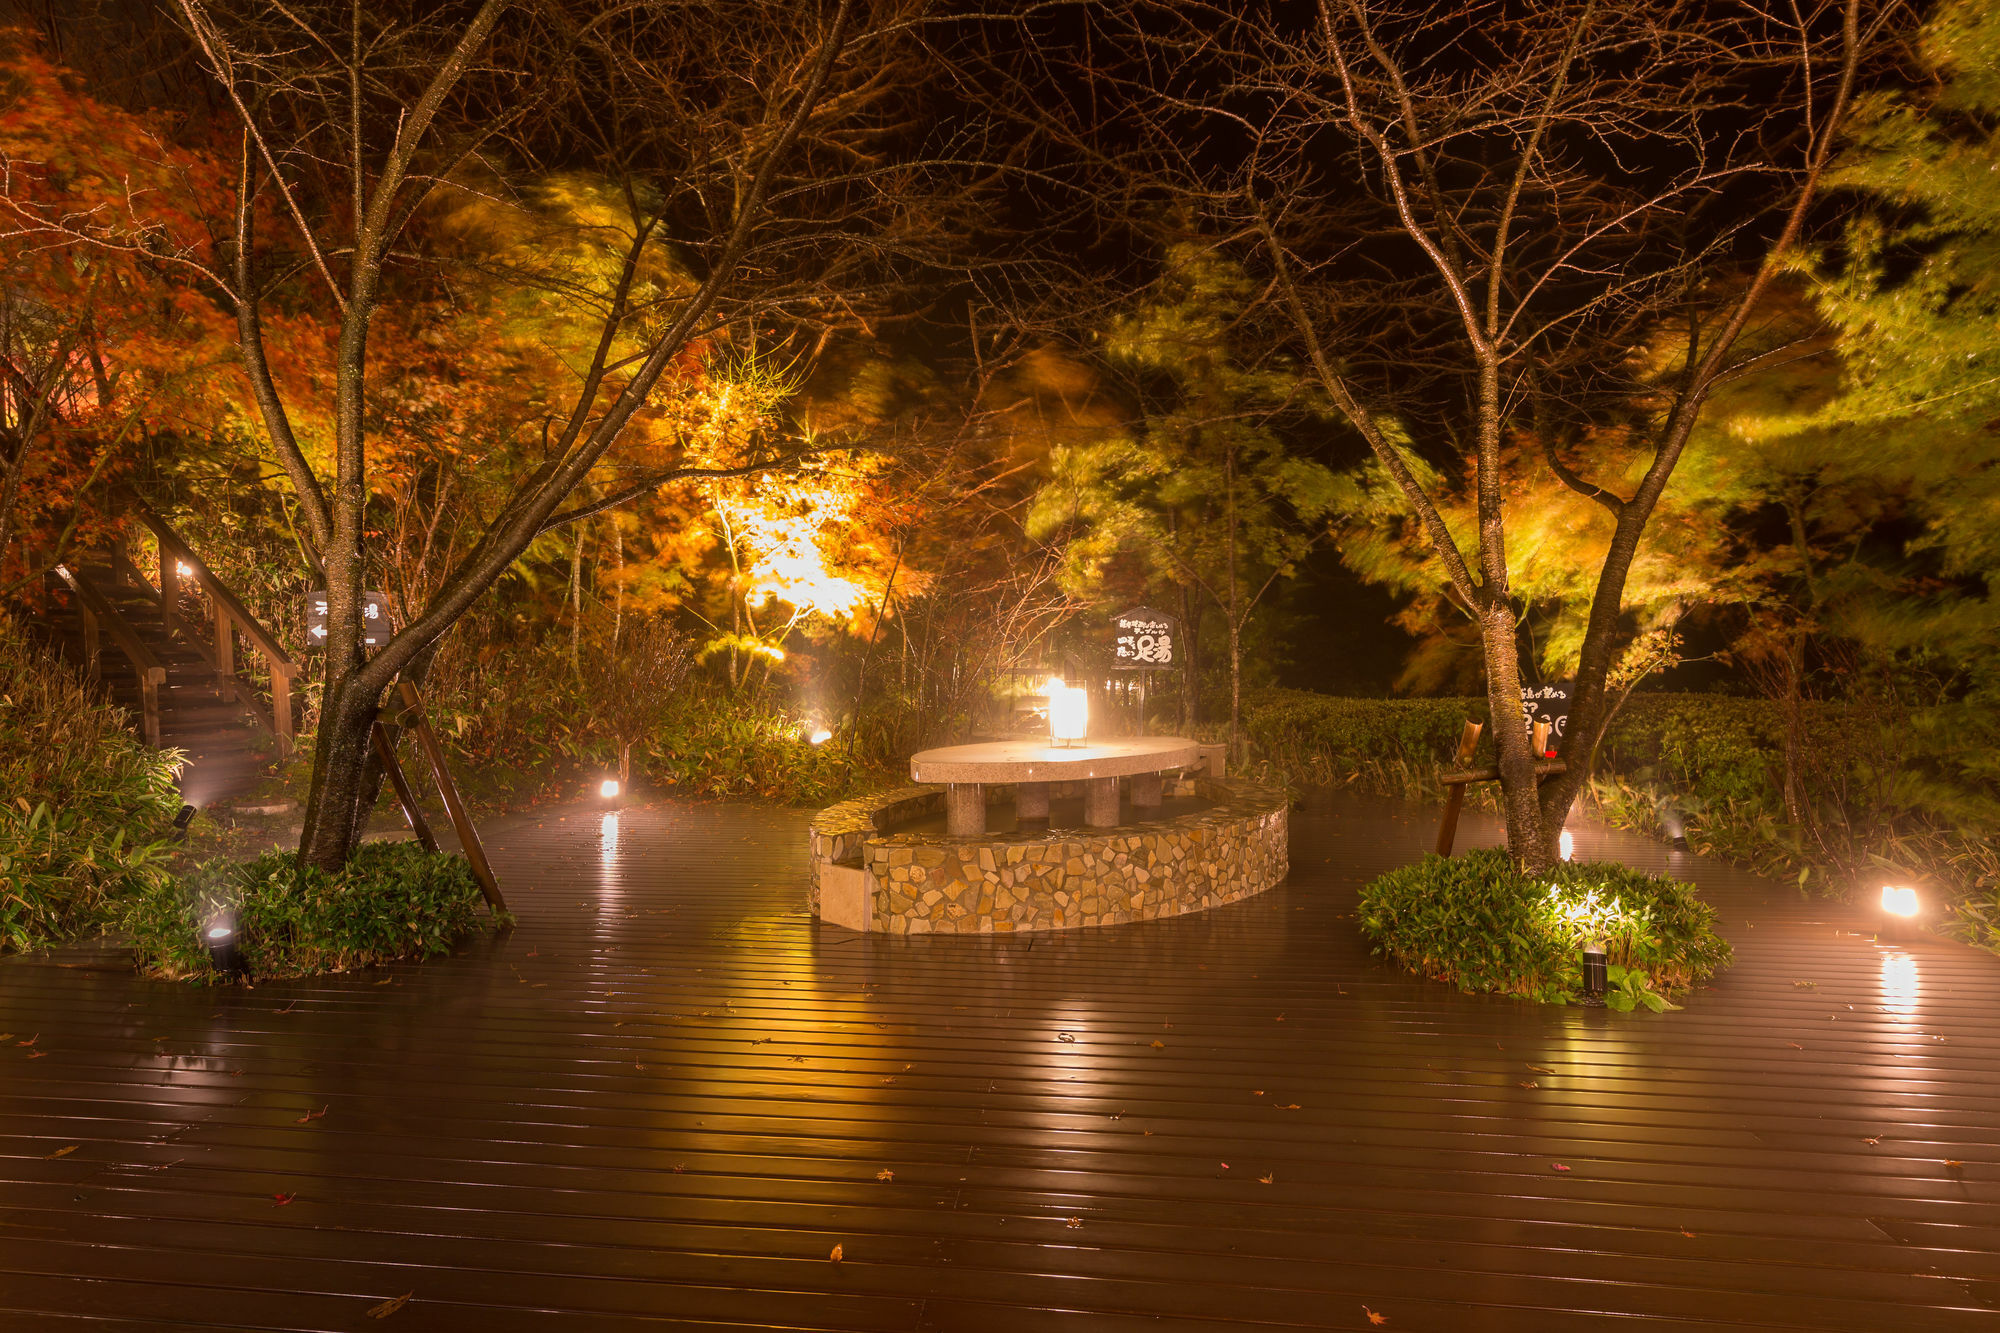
{"type": "Point", "coordinates": [1903, 796]}
{"type": "Point", "coordinates": [1480, 923]}
{"type": "Point", "coordinates": [84, 806]}
{"type": "Point", "coordinates": [393, 900]}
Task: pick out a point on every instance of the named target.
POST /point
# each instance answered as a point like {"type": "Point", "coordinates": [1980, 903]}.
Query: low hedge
{"type": "Point", "coordinates": [84, 806]}
{"type": "Point", "coordinates": [1480, 924]}
{"type": "Point", "coordinates": [393, 900]}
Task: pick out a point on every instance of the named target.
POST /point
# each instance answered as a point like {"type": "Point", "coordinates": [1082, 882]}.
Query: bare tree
{"type": "Point", "coordinates": [1489, 222]}
{"type": "Point", "coordinates": [751, 146]}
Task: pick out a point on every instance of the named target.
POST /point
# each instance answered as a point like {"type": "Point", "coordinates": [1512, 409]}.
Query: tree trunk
{"type": "Point", "coordinates": [1235, 621]}
{"type": "Point", "coordinates": [334, 809]}
{"type": "Point", "coordinates": [1520, 798]}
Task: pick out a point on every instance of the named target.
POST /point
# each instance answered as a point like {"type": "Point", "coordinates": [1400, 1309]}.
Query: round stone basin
{"type": "Point", "coordinates": [1032, 770]}
{"type": "Point", "coordinates": [890, 862]}
{"type": "Point", "coordinates": [1065, 812]}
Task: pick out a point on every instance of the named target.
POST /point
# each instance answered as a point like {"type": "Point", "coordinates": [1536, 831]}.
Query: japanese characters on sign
{"type": "Point", "coordinates": [375, 629]}
{"type": "Point", "coordinates": [1146, 639]}
{"type": "Point", "coordinates": [1547, 703]}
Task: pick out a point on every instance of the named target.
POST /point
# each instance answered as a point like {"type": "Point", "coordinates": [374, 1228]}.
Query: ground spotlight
{"type": "Point", "coordinates": [1595, 961]}
{"type": "Point", "coordinates": [1901, 908]}
{"type": "Point", "coordinates": [608, 789]}
{"type": "Point", "coordinates": [821, 736]}
{"type": "Point", "coordinates": [219, 937]}
{"type": "Point", "coordinates": [181, 822]}
{"type": "Point", "coordinates": [1675, 825]}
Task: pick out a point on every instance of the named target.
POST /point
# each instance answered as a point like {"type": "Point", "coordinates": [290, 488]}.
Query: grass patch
{"type": "Point", "coordinates": [393, 900]}
{"type": "Point", "coordinates": [86, 806]}
{"type": "Point", "coordinates": [1481, 925]}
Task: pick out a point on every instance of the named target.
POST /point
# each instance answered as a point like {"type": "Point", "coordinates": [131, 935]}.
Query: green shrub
{"type": "Point", "coordinates": [84, 806]}
{"type": "Point", "coordinates": [392, 900]}
{"type": "Point", "coordinates": [1480, 924]}
{"type": "Point", "coordinates": [1390, 745]}
{"type": "Point", "coordinates": [724, 747]}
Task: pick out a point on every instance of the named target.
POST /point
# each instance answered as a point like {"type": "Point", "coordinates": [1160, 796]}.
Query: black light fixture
{"type": "Point", "coordinates": [224, 953]}
{"type": "Point", "coordinates": [181, 822]}
{"type": "Point", "coordinates": [1674, 823]}
{"type": "Point", "coordinates": [1901, 910]}
{"type": "Point", "coordinates": [1595, 960]}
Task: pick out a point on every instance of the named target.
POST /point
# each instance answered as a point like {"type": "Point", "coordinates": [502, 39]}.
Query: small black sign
{"type": "Point", "coordinates": [375, 630]}
{"type": "Point", "coordinates": [1147, 639]}
{"type": "Point", "coordinates": [1547, 703]}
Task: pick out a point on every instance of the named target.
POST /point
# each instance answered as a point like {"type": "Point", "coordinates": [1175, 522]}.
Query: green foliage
{"type": "Point", "coordinates": [1898, 795]}
{"type": "Point", "coordinates": [726, 746]}
{"type": "Point", "coordinates": [392, 900]}
{"type": "Point", "coordinates": [1629, 987]}
{"type": "Point", "coordinates": [1389, 745]}
{"type": "Point", "coordinates": [1477, 922]}
{"type": "Point", "coordinates": [83, 805]}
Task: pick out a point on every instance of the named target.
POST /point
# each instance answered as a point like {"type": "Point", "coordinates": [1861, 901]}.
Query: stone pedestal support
{"type": "Point", "coordinates": [1146, 790]}
{"type": "Point", "coordinates": [1100, 802]}
{"type": "Point", "coordinates": [1031, 800]}
{"type": "Point", "coordinates": [965, 809]}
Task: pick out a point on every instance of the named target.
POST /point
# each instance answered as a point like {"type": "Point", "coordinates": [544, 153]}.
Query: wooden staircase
{"type": "Point", "coordinates": [177, 676]}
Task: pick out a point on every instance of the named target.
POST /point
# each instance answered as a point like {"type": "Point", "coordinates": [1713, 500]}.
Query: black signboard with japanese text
{"type": "Point", "coordinates": [1147, 640]}
{"type": "Point", "coordinates": [375, 630]}
{"type": "Point", "coordinates": [1547, 703]}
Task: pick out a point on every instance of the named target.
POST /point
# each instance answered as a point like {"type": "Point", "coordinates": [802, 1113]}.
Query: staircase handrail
{"type": "Point", "coordinates": [229, 611]}
{"type": "Point", "coordinates": [97, 610]}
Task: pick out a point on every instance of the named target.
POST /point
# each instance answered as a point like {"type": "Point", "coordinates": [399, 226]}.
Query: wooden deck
{"type": "Point", "coordinates": [666, 1099]}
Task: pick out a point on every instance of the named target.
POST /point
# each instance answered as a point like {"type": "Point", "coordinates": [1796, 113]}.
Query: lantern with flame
{"type": "Point", "coordinates": [1069, 713]}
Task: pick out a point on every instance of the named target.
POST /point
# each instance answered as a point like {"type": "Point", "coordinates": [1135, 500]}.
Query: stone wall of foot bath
{"type": "Point", "coordinates": [906, 883]}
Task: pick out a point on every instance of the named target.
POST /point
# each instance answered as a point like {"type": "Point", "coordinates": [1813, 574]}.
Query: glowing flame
{"type": "Point", "coordinates": [1069, 713]}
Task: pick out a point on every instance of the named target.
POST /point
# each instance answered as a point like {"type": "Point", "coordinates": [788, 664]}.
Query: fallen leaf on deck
{"type": "Point", "coordinates": [30, 1041]}
{"type": "Point", "coordinates": [311, 1115]}
{"type": "Point", "coordinates": [1073, 1223]}
{"type": "Point", "coordinates": [1871, 1142]}
{"type": "Point", "coordinates": [64, 1152]}
{"type": "Point", "coordinates": [679, 1167]}
{"type": "Point", "coordinates": [1558, 1166]}
{"type": "Point", "coordinates": [36, 1055]}
{"type": "Point", "coordinates": [1527, 1083]}
{"type": "Point", "coordinates": [1265, 1179]}
{"type": "Point", "coordinates": [1257, 1092]}
{"type": "Point", "coordinates": [1293, 1106]}
{"type": "Point", "coordinates": [1375, 1318]}
{"type": "Point", "coordinates": [1280, 1018]}
{"type": "Point", "coordinates": [1541, 1069]}
{"type": "Point", "coordinates": [1795, 1046]}
{"type": "Point", "coordinates": [390, 1306]}
{"type": "Point", "coordinates": [1687, 1233]}
{"type": "Point", "coordinates": [835, 1254]}
{"type": "Point", "coordinates": [1805, 985]}
{"type": "Point", "coordinates": [1949, 1162]}
{"type": "Point", "coordinates": [386, 981]}
{"type": "Point", "coordinates": [1159, 1046]}
{"type": "Point", "coordinates": [885, 1174]}
{"type": "Point", "coordinates": [280, 1200]}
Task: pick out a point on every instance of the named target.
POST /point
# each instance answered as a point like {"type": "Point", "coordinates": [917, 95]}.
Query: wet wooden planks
{"type": "Point", "coordinates": [666, 1097]}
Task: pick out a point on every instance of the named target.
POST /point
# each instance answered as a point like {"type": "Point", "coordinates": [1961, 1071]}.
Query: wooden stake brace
{"type": "Point", "coordinates": [468, 837]}
{"type": "Point", "coordinates": [1455, 779]}
{"type": "Point", "coordinates": [385, 751]}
